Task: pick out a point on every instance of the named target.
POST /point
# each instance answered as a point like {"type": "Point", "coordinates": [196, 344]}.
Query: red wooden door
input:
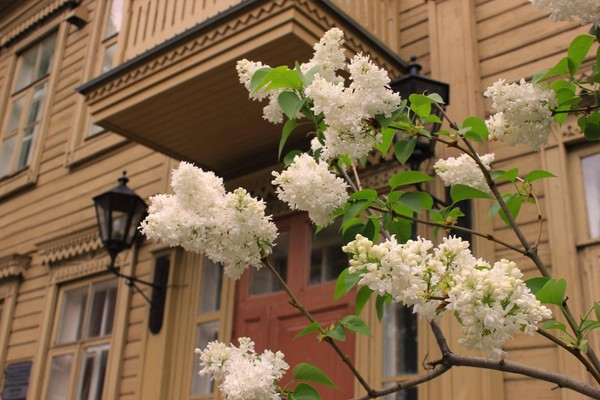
{"type": "Point", "coordinates": [263, 313]}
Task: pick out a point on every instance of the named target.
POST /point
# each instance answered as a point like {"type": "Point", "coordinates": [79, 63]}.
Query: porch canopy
{"type": "Point", "coordinates": [183, 98]}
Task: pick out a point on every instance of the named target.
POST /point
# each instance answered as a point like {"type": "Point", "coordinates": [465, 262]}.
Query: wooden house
{"type": "Point", "coordinates": [89, 88]}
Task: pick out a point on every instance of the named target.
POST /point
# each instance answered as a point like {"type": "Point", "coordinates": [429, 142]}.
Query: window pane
{"type": "Point", "coordinates": [102, 308]}
{"type": "Point", "coordinates": [46, 54]}
{"type": "Point", "coordinates": [71, 315]}
{"type": "Point", "coordinates": [210, 289]}
{"type": "Point", "coordinates": [6, 152]}
{"type": "Point", "coordinates": [205, 333]}
{"type": "Point", "coordinates": [60, 373]}
{"type": "Point", "coordinates": [109, 56]}
{"type": "Point", "coordinates": [115, 18]}
{"type": "Point", "coordinates": [37, 101]}
{"type": "Point", "coordinates": [26, 67]}
{"type": "Point", "coordinates": [94, 130]}
{"type": "Point", "coordinates": [591, 183]}
{"type": "Point", "coordinates": [399, 341]}
{"type": "Point", "coordinates": [15, 114]}
{"type": "Point", "coordinates": [27, 143]}
{"type": "Point", "coordinates": [327, 260]}
{"type": "Point", "coordinates": [262, 281]}
{"type": "Point", "coordinates": [93, 371]}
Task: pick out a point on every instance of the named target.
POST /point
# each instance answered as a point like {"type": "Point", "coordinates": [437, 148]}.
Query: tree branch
{"type": "Point", "coordinates": [295, 303]}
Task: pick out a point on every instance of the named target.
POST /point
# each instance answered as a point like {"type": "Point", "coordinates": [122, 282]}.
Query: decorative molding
{"type": "Point", "coordinates": [69, 248]}
{"type": "Point", "coordinates": [203, 40]}
{"type": "Point", "coordinates": [13, 266]}
{"type": "Point", "coordinates": [84, 266]}
{"type": "Point", "coordinates": [34, 18]}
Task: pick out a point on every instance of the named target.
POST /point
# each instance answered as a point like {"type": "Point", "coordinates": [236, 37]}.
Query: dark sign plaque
{"type": "Point", "coordinates": [16, 381]}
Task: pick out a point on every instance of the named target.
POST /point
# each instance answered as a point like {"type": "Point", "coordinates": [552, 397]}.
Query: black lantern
{"type": "Point", "coordinates": [414, 82]}
{"type": "Point", "coordinates": [120, 212]}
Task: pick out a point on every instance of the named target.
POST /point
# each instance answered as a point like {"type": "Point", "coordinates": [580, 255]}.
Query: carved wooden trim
{"type": "Point", "coordinates": [70, 270]}
{"type": "Point", "coordinates": [33, 18]}
{"type": "Point", "coordinates": [69, 248]}
{"type": "Point", "coordinates": [209, 38]}
{"type": "Point", "coordinates": [13, 266]}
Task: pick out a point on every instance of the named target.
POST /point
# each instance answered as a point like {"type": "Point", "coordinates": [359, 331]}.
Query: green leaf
{"type": "Point", "coordinates": [464, 192]}
{"type": "Point", "coordinates": [416, 201]}
{"type": "Point", "coordinates": [408, 178]}
{"type": "Point", "coordinates": [355, 208]}
{"type": "Point", "coordinates": [365, 194]}
{"type": "Point", "coordinates": [338, 333]}
{"type": "Point", "coordinates": [288, 128]}
{"type": "Point", "coordinates": [281, 78]}
{"type": "Point", "coordinates": [403, 149]}
{"type": "Point", "coordinates": [258, 77]}
{"type": "Point", "coordinates": [436, 98]}
{"type": "Point", "coordinates": [510, 175]}
{"type": "Point", "coordinates": [539, 76]}
{"type": "Point", "coordinates": [314, 327]}
{"type": "Point", "coordinates": [345, 282]}
{"type": "Point", "coordinates": [561, 68]}
{"type": "Point", "coordinates": [289, 157]}
{"type": "Point", "coordinates": [597, 310]}
{"type": "Point", "coordinates": [589, 325]}
{"type": "Point", "coordinates": [309, 76]}
{"type": "Point", "coordinates": [420, 104]}
{"type": "Point", "coordinates": [402, 228]}
{"type": "Point", "coordinates": [535, 284]}
{"type": "Point", "coordinates": [577, 51]}
{"type": "Point", "coordinates": [388, 135]}
{"type": "Point", "coordinates": [538, 174]}
{"type": "Point", "coordinates": [308, 372]}
{"type": "Point", "coordinates": [553, 292]}
{"type": "Point", "coordinates": [371, 229]}
{"type": "Point", "coordinates": [590, 125]}
{"type": "Point", "coordinates": [479, 131]}
{"type": "Point", "coordinates": [380, 303]}
{"type": "Point", "coordinates": [513, 204]}
{"type": "Point", "coordinates": [354, 324]}
{"type": "Point", "coordinates": [304, 391]}
{"type": "Point", "coordinates": [551, 324]}
{"type": "Point", "coordinates": [363, 295]}
{"type": "Point", "coordinates": [290, 104]}
{"type": "Point", "coordinates": [352, 228]}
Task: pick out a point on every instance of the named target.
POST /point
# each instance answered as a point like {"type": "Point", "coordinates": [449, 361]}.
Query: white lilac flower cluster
{"type": "Point", "coordinates": [309, 185]}
{"type": "Point", "coordinates": [243, 373]}
{"type": "Point", "coordinates": [464, 171]}
{"type": "Point", "coordinates": [588, 11]}
{"type": "Point", "coordinates": [491, 302]}
{"type": "Point", "coordinates": [230, 228]}
{"type": "Point", "coordinates": [523, 113]}
{"type": "Point", "coordinates": [347, 111]}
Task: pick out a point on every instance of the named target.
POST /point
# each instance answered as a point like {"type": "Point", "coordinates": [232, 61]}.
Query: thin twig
{"type": "Point", "coordinates": [382, 229]}
{"type": "Point", "coordinates": [295, 303]}
{"type": "Point", "coordinates": [457, 228]}
{"type": "Point", "coordinates": [356, 177]}
{"type": "Point", "coordinates": [574, 351]}
{"type": "Point", "coordinates": [560, 379]}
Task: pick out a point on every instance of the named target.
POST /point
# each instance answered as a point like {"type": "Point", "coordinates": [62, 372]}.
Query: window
{"type": "Point", "coordinates": [110, 28]}
{"type": "Point", "coordinates": [207, 322]}
{"type": "Point", "coordinates": [25, 109]}
{"type": "Point", "coordinates": [590, 166]}
{"type": "Point", "coordinates": [400, 349]}
{"type": "Point", "coordinates": [262, 281]}
{"type": "Point", "coordinates": [327, 260]}
{"type": "Point", "coordinates": [78, 358]}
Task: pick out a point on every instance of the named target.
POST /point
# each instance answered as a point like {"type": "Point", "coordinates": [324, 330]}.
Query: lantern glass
{"type": "Point", "coordinates": [119, 212]}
